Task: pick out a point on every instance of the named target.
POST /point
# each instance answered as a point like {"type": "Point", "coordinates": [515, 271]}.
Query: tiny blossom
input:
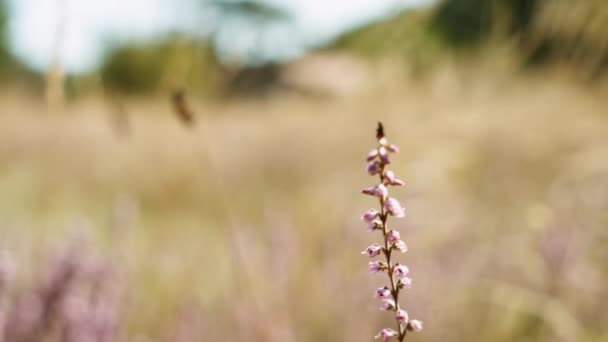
{"type": "Point", "coordinates": [372, 168]}
{"type": "Point", "coordinates": [400, 271]}
{"type": "Point", "coordinates": [401, 316]}
{"type": "Point", "coordinates": [393, 236]}
{"type": "Point", "coordinates": [378, 190]}
{"type": "Point", "coordinates": [388, 304]}
{"type": "Point", "coordinates": [376, 266]}
{"type": "Point", "coordinates": [372, 155]}
{"type": "Point", "coordinates": [369, 216]}
{"type": "Point", "coordinates": [392, 180]}
{"type": "Point", "coordinates": [372, 251]}
{"type": "Point", "coordinates": [405, 282]}
{"type": "Point", "coordinates": [400, 246]}
{"type": "Point", "coordinates": [384, 155]}
{"type": "Point", "coordinates": [382, 292]}
{"type": "Point", "coordinates": [415, 325]}
{"type": "Point", "coordinates": [375, 224]}
{"type": "Point", "coordinates": [393, 148]}
{"type": "Point", "coordinates": [383, 141]}
{"type": "Point", "coordinates": [393, 207]}
{"type": "Point", "coordinates": [386, 334]}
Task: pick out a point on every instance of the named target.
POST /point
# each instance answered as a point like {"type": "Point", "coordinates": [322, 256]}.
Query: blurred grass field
{"type": "Point", "coordinates": [246, 226]}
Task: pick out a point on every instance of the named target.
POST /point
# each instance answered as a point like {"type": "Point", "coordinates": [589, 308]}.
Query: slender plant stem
{"type": "Point", "coordinates": [388, 252]}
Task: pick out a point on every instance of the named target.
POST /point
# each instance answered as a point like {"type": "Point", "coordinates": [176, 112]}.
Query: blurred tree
{"type": "Point", "coordinates": [145, 67]}
{"type": "Point", "coordinates": [8, 63]}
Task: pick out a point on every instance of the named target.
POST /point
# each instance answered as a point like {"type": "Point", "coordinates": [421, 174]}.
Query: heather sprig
{"type": "Point", "coordinates": [377, 220]}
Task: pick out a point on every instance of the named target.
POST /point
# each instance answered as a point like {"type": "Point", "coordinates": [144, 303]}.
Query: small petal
{"type": "Point", "coordinates": [393, 148]}
{"type": "Point", "coordinates": [393, 207]}
{"type": "Point", "coordinates": [375, 224]}
{"type": "Point", "coordinates": [393, 236]}
{"type": "Point", "coordinates": [372, 168]}
{"type": "Point", "coordinates": [391, 180]}
{"type": "Point", "coordinates": [400, 271]}
{"type": "Point", "coordinates": [388, 304]}
{"type": "Point", "coordinates": [415, 325]}
{"type": "Point", "coordinates": [386, 334]}
{"type": "Point", "coordinates": [384, 155]}
{"type": "Point", "coordinates": [400, 246]}
{"type": "Point", "coordinates": [381, 191]}
{"type": "Point", "coordinates": [376, 266]}
{"type": "Point", "coordinates": [382, 292]}
{"type": "Point", "coordinates": [378, 190]}
{"type": "Point", "coordinates": [372, 251]}
{"type": "Point", "coordinates": [383, 141]}
{"type": "Point", "coordinates": [401, 316]}
{"type": "Point", "coordinates": [405, 282]}
{"type": "Point", "coordinates": [373, 154]}
{"type": "Point", "coordinates": [369, 216]}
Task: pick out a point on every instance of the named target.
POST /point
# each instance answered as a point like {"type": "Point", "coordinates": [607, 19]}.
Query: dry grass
{"type": "Point", "coordinates": [252, 216]}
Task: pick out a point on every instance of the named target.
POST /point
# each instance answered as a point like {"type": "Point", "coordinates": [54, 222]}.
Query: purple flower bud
{"type": "Point", "coordinates": [373, 154]}
{"type": "Point", "coordinates": [386, 334]}
{"type": "Point", "coordinates": [369, 216]}
{"type": "Point", "coordinates": [400, 246]}
{"type": "Point", "coordinates": [393, 148]}
{"type": "Point", "coordinates": [378, 190]}
{"type": "Point", "coordinates": [402, 317]}
{"type": "Point", "coordinates": [393, 207]}
{"type": "Point", "coordinates": [393, 236]}
{"type": "Point", "coordinates": [372, 251]}
{"type": "Point", "coordinates": [372, 168]}
{"type": "Point", "coordinates": [400, 271]}
{"type": "Point", "coordinates": [388, 304]}
{"type": "Point", "coordinates": [405, 282]}
{"type": "Point", "coordinates": [391, 180]}
{"type": "Point", "coordinates": [376, 266]}
{"type": "Point", "coordinates": [382, 292]}
{"type": "Point", "coordinates": [375, 224]}
{"type": "Point", "coordinates": [383, 153]}
{"type": "Point", "coordinates": [415, 325]}
{"type": "Point", "coordinates": [381, 191]}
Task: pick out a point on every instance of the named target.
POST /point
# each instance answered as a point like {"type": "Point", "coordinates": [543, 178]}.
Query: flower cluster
{"type": "Point", "coordinates": [376, 220]}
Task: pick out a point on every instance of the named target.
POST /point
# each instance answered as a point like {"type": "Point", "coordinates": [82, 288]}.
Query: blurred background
{"type": "Point", "coordinates": [190, 170]}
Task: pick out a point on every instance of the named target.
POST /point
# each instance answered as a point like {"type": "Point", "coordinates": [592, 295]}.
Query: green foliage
{"type": "Point", "coordinates": [145, 67]}
{"type": "Point", "coordinates": [8, 63]}
{"type": "Point", "coordinates": [405, 36]}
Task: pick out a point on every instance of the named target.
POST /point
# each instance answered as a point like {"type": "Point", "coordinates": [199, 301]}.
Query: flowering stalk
{"type": "Point", "coordinates": [378, 160]}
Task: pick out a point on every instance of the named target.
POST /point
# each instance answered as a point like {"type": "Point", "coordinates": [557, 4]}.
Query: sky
{"type": "Point", "coordinates": [89, 25]}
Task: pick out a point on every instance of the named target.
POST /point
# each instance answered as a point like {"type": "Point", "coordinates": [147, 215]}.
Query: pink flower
{"type": "Point", "coordinates": [415, 325]}
{"type": "Point", "coordinates": [378, 190]}
{"type": "Point", "coordinates": [402, 317]}
{"type": "Point", "coordinates": [405, 282]}
{"type": "Point", "coordinates": [393, 207]}
{"type": "Point", "coordinates": [388, 304]}
{"type": "Point", "coordinates": [373, 250]}
{"type": "Point", "coordinates": [393, 148]}
{"type": "Point", "coordinates": [372, 168]}
{"type": "Point", "coordinates": [382, 292]}
{"type": "Point", "coordinates": [392, 180]}
{"type": "Point", "coordinates": [383, 141]}
{"type": "Point", "coordinates": [376, 266]}
{"type": "Point", "coordinates": [386, 334]}
{"type": "Point", "coordinates": [393, 236]}
{"type": "Point", "coordinates": [373, 154]}
{"type": "Point", "coordinates": [375, 224]}
{"type": "Point", "coordinates": [369, 216]}
{"type": "Point", "coordinates": [400, 271]}
{"type": "Point", "coordinates": [383, 153]}
{"type": "Point", "coordinates": [400, 246]}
